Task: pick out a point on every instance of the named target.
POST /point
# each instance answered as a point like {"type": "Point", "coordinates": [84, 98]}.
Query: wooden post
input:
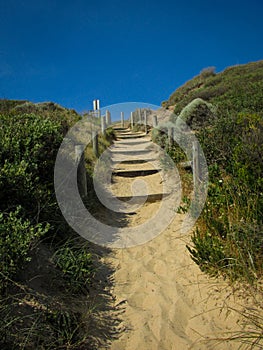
{"type": "Point", "coordinates": [103, 124]}
{"type": "Point", "coordinates": [145, 122]}
{"type": "Point", "coordinates": [196, 163]}
{"type": "Point", "coordinates": [132, 121]}
{"type": "Point", "coordinates": [155, 122]}
{"type": "Point", "coordinates": [81, 172]}
{"type": "Point", "coordinates": [108, 118]}
{"type": "Point", "coordinates": [95, 144]}
{"type": "Point", "coordinates": [139, 116]}
{"type": "Point", "coordinates": [122, 119]}
{"type": "Point", "coordinates": [144, 115]}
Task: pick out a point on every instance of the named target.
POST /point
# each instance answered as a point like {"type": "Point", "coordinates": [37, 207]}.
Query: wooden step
{"type": "Point", "coordinates": [135, 173]}
{"type": "Point", "coordinates": [130, 152]}
{"type": "Point", "coordinates": [121, 129]}
{"type": "Point", "coordinates": [134, 161]}
{"type": "Point", "coordinates": [129, 136]}
{"type": "Point", "coordinates": [151, 198]}
{"type": "Point", "coordinates": [132, 143]}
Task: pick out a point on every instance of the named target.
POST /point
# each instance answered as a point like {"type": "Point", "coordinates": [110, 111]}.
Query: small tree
{"type": "Point", "coordinates": [207, 72]}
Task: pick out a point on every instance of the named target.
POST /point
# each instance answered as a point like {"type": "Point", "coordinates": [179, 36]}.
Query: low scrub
{"type": "Point", "coordinates": [229, 239]}
{"type": "Point", "coordinates": [40, 315]}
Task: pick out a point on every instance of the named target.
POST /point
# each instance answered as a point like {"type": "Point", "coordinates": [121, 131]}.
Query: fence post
{"type": "Point", "coordinates": [122, 119]}
{"type": "Point", "coordinates": [95, 143]}
{"type": "Point", "coordinates": [139, 116]}
{"type": "Point", "coordinates": [145, 122]}
{"type": "Point", "coordinates": [103, 124]}
{"type": "Point", "coordinates": [81, 171]}
{"type": "Point", "coordinates": [108, 118]}
{"type": "Point", "coordinates": [132, 122]}
{"type": "Point", "coordinates": [155, 122]}
{"type": "Point", "coordinates": [196, 163]}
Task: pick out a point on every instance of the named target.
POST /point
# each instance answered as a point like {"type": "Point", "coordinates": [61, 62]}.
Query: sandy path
{"type": "Point", "coordinates": [167, 302]}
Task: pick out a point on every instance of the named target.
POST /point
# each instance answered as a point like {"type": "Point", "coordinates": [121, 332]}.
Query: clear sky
{"type": "Point", "coordinates": [72, 52]}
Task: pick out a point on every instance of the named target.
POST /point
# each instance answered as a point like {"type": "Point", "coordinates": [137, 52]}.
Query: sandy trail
{"type": "Point", "coordinates": [168, 303]}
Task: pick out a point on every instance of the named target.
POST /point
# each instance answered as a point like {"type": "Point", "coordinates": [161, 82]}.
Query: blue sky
{"type": "Point", "coordinates": [72, 52]}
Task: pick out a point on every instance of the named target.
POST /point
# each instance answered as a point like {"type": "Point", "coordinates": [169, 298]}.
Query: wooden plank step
{"type": "Point", "coordinates": [130, 152]}
{"type": "Point", "coordinates": [154, 197]}
{"type": "Point", "coordinates": [121, 129]}
{"type": "Point", "coordinates": [134, 161]}
{"type": "Point", "coordinates": [135, 173]}
{"type": "Point", "coordinates": [129, 136]}
{"type": "Point", "coordinates": [131, 143]}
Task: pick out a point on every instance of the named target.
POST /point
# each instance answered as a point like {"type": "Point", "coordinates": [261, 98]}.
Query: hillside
{"type": "Point", "coordinates": [24, 106]}
{"type": "Point", "coordinates": [226, 112]}
{"type": "Point", "coordinates": [59, 291]}
{"type": "Point", "coordinates": [65, 117]}
{"type": "Point", "coordinates": [46, 269]}
{"type": "Point", "coordinates": [236, 89]}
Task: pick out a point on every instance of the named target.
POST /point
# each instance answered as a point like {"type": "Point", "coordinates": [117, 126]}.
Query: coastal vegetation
{"type": "Point", "coordinates": [51, 279]}
{"type": "Point", "coordinates": [46, 270]}
{"type": "Point", "coordinates": [225, 111]}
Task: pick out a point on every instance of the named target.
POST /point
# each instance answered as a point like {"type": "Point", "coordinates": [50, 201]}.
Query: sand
{"type": "Point", "coordinates": [167, 302]}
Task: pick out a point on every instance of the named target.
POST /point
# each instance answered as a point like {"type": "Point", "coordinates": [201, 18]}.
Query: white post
{"type": "Point", "coordinates": [96, 108]}
{"type": "Point", "coordinates": [96, 105]}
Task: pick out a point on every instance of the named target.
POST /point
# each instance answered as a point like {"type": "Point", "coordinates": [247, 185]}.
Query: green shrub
{"type": "Point", "coordinates": [28, 146]}
{"type": "Point", "coordinates": [17, 235]}
{"type": "Point", "coordinates": [234, 208]}
{"type": "Point", "coordinates": [208, 252]}
{"type": "Point", "coordinates": [33, 316]}
{"type": "Point", "coordinates": [197, 113]}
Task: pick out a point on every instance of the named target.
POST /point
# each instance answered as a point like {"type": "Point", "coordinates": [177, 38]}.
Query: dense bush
{"type": "Point", "coordinates": [17, 236]}
{"type": "Point", "coordinates": [53, 111]}
{"type": "Point", "coordinates": [229, 235]}
{"type": "Point", "coordinates": [232, 221]}
{"type": "Point", "coordinates": [28, 146]}
{"type": "Point", "coordinates": [198, 113]}
{"type": "Point", "coordinates": [32, 315]}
